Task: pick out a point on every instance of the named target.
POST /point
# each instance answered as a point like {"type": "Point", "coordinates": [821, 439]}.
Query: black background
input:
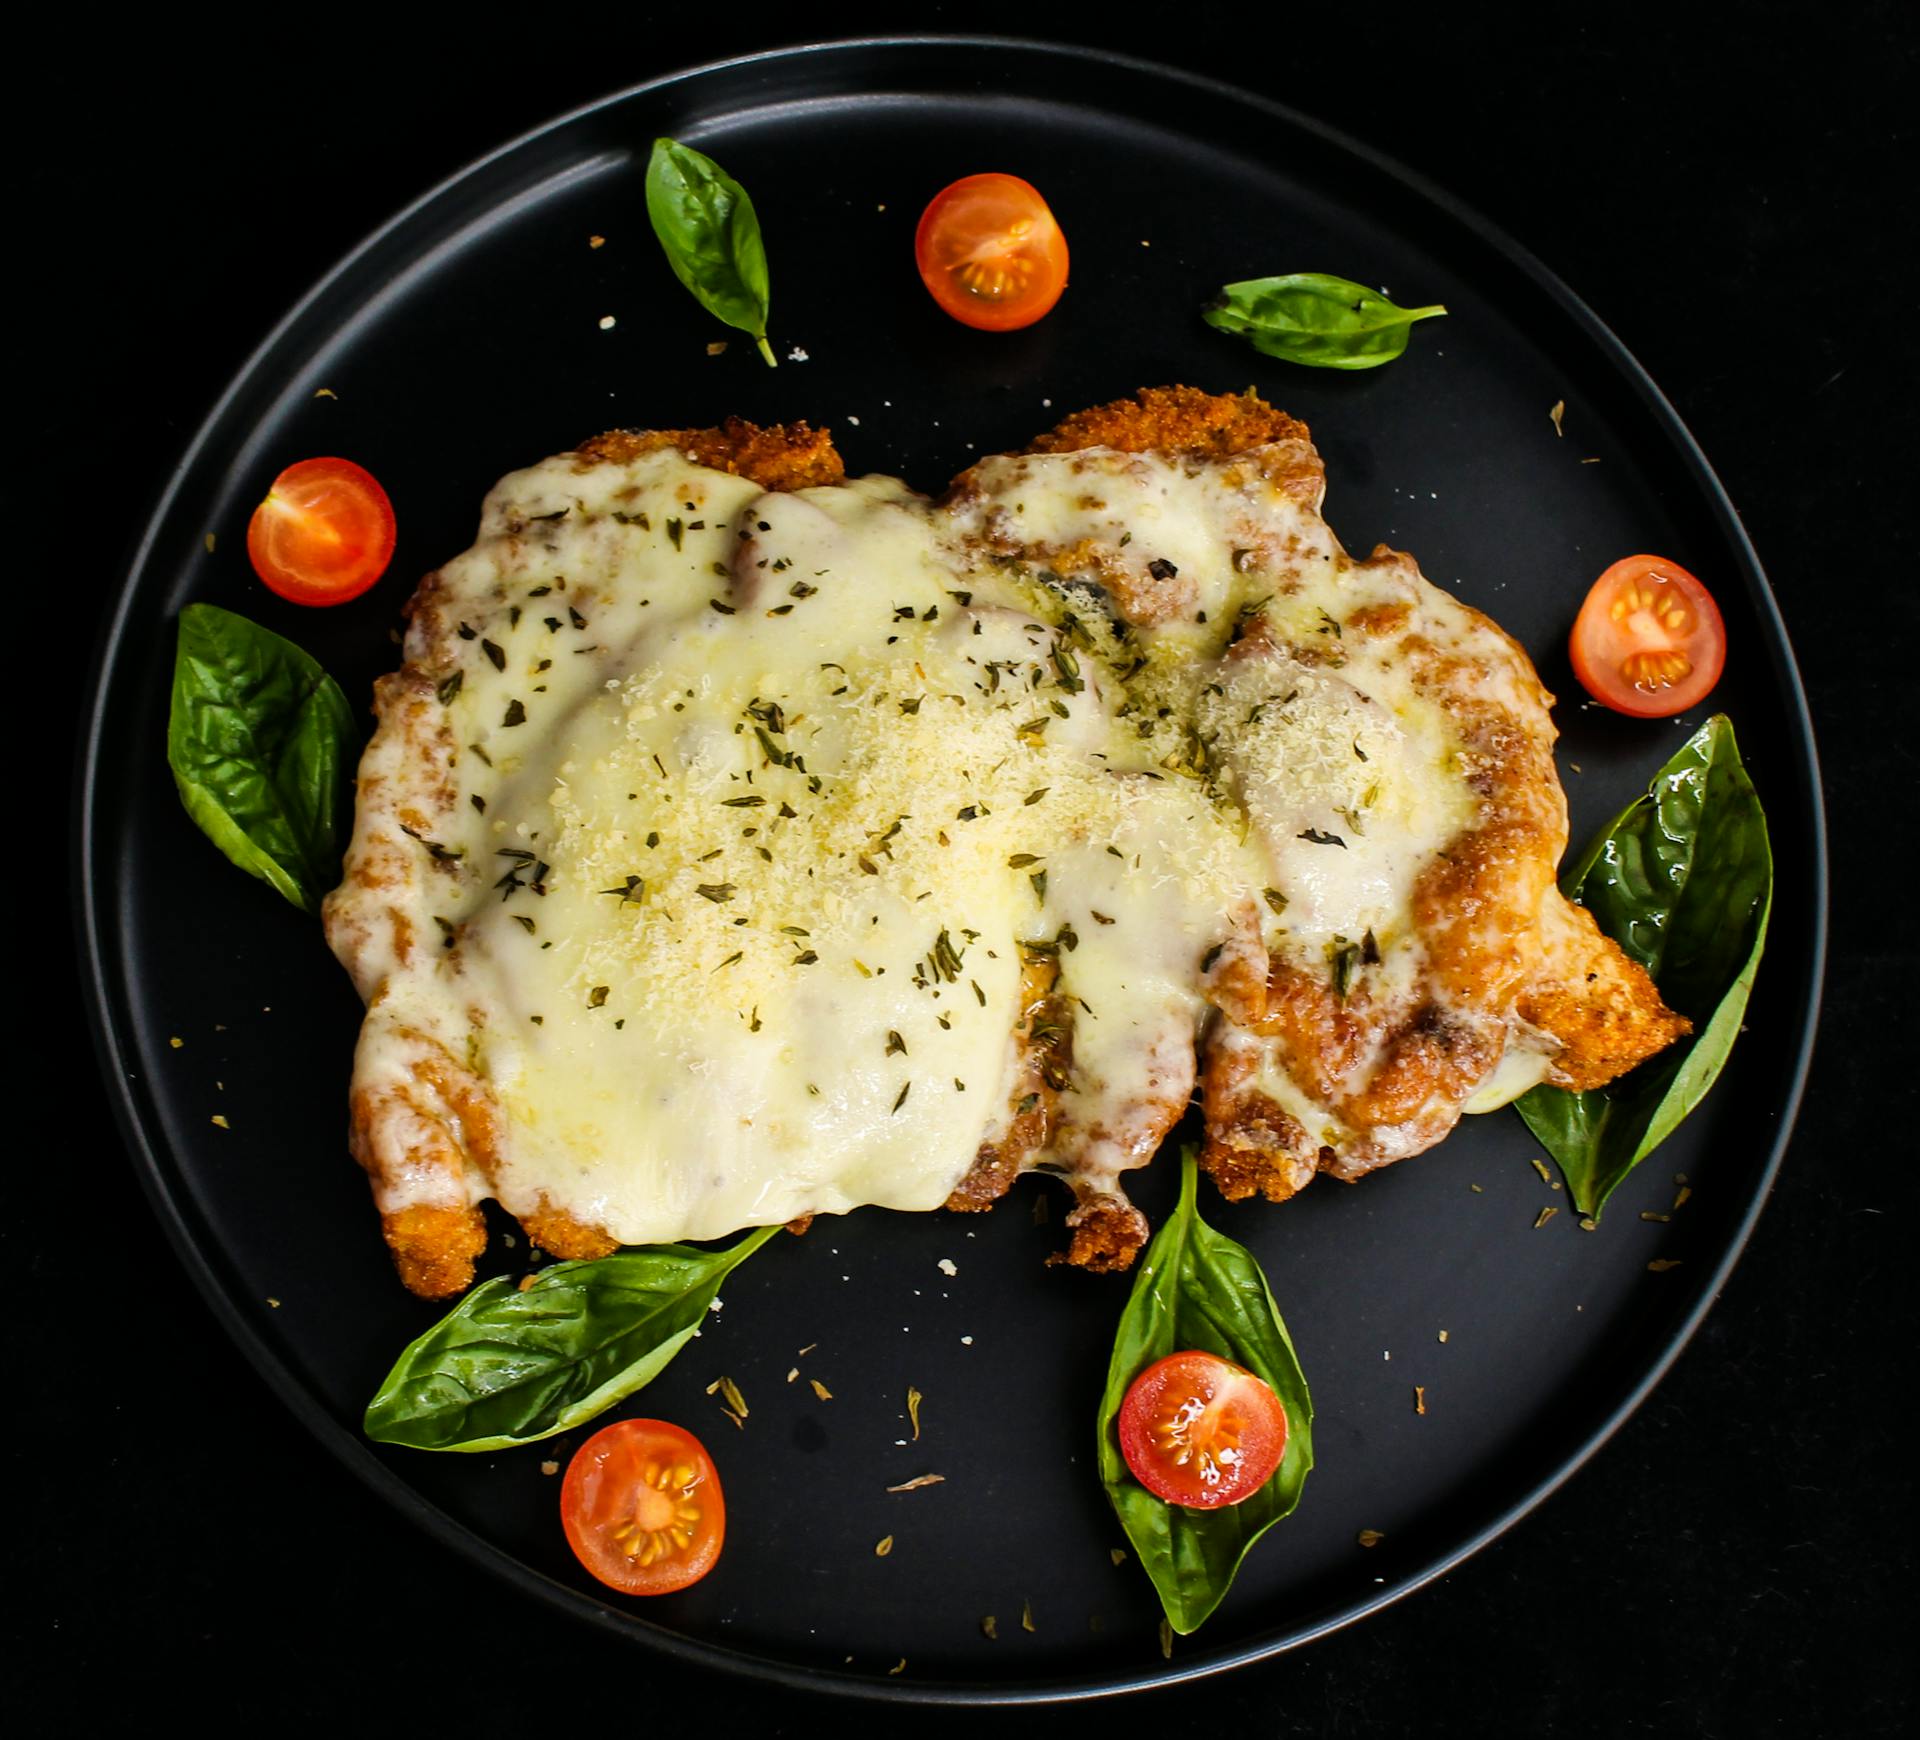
{"type": "Point", "coordinates": [1730, 190]}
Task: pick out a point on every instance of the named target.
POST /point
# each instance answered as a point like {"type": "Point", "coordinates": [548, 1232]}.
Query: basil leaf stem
{"type": "Point", "coordinates": [1197, 1289]}
{"type": "Point", "coordinates": [261, 743]}
{"type": "Point", "coordinates": [706, 224]}
{"type": "Point", "coordinates": [507, 1367]}
{"type": "Point", "coordinates": [1682, 880]}
{"type": "Point", "coordinates": [1315, 319]}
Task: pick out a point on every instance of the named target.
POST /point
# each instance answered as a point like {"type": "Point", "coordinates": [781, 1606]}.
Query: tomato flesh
{"type": "Point", "coordinates": [324, 534]}
{"type": "Point", "coordinates": [1648, 641]}
{"type": "Point", "coordinates": [991, 253]}
{"type": "Point", "coordinates": [642, 1508]}
{"type": "Point", "coordinates": [1201, 1431]}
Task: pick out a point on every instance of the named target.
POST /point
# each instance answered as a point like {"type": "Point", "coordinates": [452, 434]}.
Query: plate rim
{"type": "Point", "coordinates": [95, 929]}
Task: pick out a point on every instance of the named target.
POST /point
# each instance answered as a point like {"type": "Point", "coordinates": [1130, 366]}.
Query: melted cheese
{"type": "Point", "coordinates": [759, 797]}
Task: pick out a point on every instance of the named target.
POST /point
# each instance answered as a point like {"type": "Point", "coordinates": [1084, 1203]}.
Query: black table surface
{"type": "Point", "coordinates": [1730, 190]}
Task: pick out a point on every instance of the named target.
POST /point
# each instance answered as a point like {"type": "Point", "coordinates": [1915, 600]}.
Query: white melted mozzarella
{"type": "Point", "coordinates": [760, 795]}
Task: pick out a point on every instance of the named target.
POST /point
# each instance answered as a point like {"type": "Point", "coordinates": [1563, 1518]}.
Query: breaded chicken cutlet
{"type": "Point", "coordinates": [739, 843]}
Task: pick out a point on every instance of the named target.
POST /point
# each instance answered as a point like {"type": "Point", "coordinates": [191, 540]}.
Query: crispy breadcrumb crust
{"type": "Point", "coordinates": [781, 456]}
{"type": "Point", "coordinates": [1180, 420]}
{"type": "Point", "coordinates": [1596, 1001]}
{"type": "Point", "coordinates": [435, 1249]}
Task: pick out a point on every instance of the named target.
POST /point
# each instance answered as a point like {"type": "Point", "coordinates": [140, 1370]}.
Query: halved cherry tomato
{"type": "Point", "coordinates": [1201, 1431]}
{"type": "Point", "coordinates": [1649, 640]}
{"type": "Point", "coordinates": [991, 253]}
{"type": "Point", "coordinates": [324, 534]}
{"type": "Point", "coordinates": [642, 1508]}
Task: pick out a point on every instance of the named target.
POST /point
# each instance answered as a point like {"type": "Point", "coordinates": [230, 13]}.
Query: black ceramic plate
{"type": "Point", "coordinates": [468, 338]}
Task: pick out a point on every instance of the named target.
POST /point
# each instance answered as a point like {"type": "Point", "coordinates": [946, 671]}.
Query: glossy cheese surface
{"type": "Point", "coordinates": [715, 828]}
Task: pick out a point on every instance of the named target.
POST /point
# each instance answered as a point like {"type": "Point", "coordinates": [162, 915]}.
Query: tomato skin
{"type": "Point", "coordinates": [639, 1488]}
{"type": "Point", "coordinates": [324, 533]}
{"type": "Point", "coordinates": [991, 253]}
{"type": "Point", "coordinates": [1200, 1431]}
{"type": "Point", "coordinates": [1648, 641]}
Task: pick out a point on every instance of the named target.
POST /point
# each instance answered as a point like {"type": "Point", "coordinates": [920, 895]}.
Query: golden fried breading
{"type": "Point", "coordinates": [558, 1232]}
{"type": "Point", "coordinates": [435, 1248]}
{"type": "Point", "coordinates": [1171, 420]}
{"type": "Point", "coordinates": [1595, 1000]}
{"type": "Point", "coordinates": [783, 456]}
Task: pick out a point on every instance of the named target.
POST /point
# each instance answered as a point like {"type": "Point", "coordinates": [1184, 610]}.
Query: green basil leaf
{"type": "Point", "coordinates": [1315, 319]}
{"type": "Point", "coordinates": [1683, 880]}
{"type": "Point", "coordinates": [262, 743]}
{"type": "Point", "coordinates": [706, 224]}
{"type": "Point", "coordinates": [1196, 1289]}
{"type": "Point", "coordinates": [507, 1367]}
